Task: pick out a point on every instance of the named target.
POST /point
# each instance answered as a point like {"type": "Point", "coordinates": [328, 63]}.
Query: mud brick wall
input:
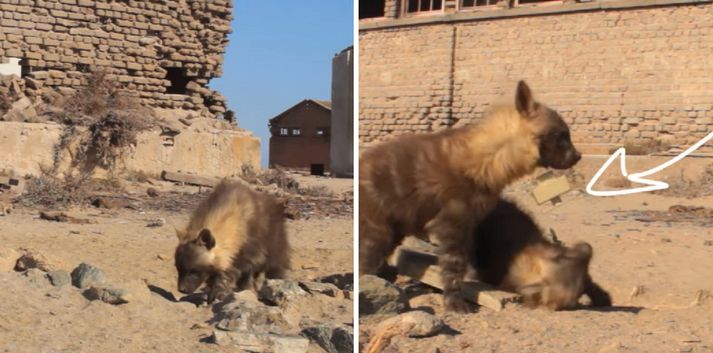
{"type": "Point", "coordinates": [616, 73]}
{"type": "Point", "coordinates": [164, 51]}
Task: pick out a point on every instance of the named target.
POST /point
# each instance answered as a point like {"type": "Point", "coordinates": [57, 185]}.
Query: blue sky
{"type": "Point", "coordinates": [280, 53]}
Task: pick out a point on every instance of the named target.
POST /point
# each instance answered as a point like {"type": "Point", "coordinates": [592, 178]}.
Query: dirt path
{"type": "Point", "coordinates": [37, 317]}
{"type": "Point", "coordinates": [637, 243]}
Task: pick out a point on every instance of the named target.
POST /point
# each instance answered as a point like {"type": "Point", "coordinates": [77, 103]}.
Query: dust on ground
{"type": "Point", "coordinates": [38, 317]}
{"type": "Point", "coordinates": [652, 252]}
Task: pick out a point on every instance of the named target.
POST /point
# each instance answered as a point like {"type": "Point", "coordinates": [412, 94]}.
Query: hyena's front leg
{"type": "Point", "coordinates": [221, 284]}
{"type": "Point", "coordinates": [597, 295]}
{"type": "Point", "coordinates": [453, 228]}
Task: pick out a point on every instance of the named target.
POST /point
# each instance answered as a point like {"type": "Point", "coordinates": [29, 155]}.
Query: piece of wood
{"type": "Point", "coordinates": [191, 179]}
{"type": "Point", "coordinates": [550, 188]}
{"type": "Point", "coordinates": [63, 217]}
{"type": "Point", "coordinates": [423, 267]}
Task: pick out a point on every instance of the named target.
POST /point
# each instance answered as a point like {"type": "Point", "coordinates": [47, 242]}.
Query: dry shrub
{"type": "Point", "coordinates": [140, 176]}
{"type": "Point", "coordinates": [270, 176]}
{"type": "Point", "coordinates": [50, 191]}
{"type": "Point", "coordinates": [317, 191]}
{"type": "Point", "coordinates": [682, 186]}
{"type": "Point", "coordinates": [112, 118]}
{"type": "Point", "coordinates": [643, 147]}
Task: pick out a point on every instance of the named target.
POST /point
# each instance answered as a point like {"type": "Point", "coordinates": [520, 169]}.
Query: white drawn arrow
{"type": "Point", "coordinates": [651, 185]}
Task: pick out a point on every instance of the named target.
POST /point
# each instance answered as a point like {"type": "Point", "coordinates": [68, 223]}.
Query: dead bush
{"type": "Point", "coordinates": [270, 176]}
{"type": "Point", "coordinates": [682, 186]}
{"type": "Point", "coordinates": [317, 191]}
{"type": "Point", "coordinates": [643, 147]}
{"type": "Point", "coordinates": [111, 121]}
{"type": "Point", "coordinates": [50, 191]}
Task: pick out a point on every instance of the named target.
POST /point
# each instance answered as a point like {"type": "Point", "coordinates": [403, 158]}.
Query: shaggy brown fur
{"type": "Point", "coordinates": [235, 237]}
{"type": "Point", "coordinates": [434, 184]}
{"type": "Point", "coordinates": [510, 253]}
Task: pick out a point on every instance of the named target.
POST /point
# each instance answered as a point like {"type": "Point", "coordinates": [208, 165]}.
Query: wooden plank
{"type": "Point", "coordinates": [422, 267]}
{"type": "Point", "coordinates": [191, 179]}
{"type": "Point", "coordinates": [550, 188]}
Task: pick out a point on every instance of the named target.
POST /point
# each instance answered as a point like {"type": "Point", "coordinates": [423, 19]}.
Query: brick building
{"type": "Point", "coordinates": [617, 70]}
{"type": "Point", "coordinates": [300, 137]}
{"type": "Point", "coordinates": [164, 51]}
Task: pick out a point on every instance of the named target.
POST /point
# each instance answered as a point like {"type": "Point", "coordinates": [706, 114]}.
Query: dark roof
{"type": "Point", "coordinates": [321, 103]}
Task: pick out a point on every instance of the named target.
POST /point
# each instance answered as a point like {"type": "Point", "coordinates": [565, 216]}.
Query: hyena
{"type": "Point", "coordinates": [510, 252]}
{"type": "Point", "coordinates": [433, 184]}
{"type": "Point", "coordinates": [234, 239]}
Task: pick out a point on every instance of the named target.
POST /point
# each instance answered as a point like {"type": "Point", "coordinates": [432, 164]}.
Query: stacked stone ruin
{"type": "Point", "coordinates": [165, 52]}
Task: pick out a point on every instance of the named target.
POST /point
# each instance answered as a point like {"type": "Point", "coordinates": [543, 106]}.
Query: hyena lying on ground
{"type": "Point", "coordinates": [510, 253]}
{"type": "Point", "coordinates": [433, 184]}
{"type": "Point", "coordinates": [235, 238]}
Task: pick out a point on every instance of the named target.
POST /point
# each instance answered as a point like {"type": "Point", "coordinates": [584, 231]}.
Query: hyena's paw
{"type": "Point", "coordinates": [455, 303]}
{"type": "Point", "coordinates": [217, 293]}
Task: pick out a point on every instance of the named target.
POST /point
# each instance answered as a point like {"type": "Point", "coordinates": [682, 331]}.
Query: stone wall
{"type": "Point", "coordinates": [165, 51]}
{"type": "Point", "coordinates": [27, 147]}
{"type": "Point", "coordinates": [616, 70]}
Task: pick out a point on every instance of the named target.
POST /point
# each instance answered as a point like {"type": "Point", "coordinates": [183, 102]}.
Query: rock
{"type": "Point", "coordinates": [59, 278]}
{"type": "Point", "coordinates": [344, 281]}
{"type": "Point", "coordinates": [280, 291]}
{"type": "Point", "coordinates": [31, 259]}
{"type": "Point", "coordinates": [378, 296]}
{"type": "Point", "coordinates": [109, 295]}
{"type": "Point", "coordinates": [22, 111]}
{"type": "Point", "coordinates": [86, 275]}
{"type": "Point", "coordinates": [133, 292]}
{"type": "Point", "coordinates": [243, 313]}
{"type": "Point", "coordinates": [159, 222]}
{"type": "Point", "coordinates": [261, 342]}
{"type": "Point", "coordinates": [35, 276]}
{"type": "Point", "coordinates": [412, 324]}
{"type": "Point", "coordinates": [322, 288]}
{"type": "Point", "coordinates": [8, 259]}
{"type": "Point", "coordinates": [332, 339]}
{"type": "Point", "coordinates": [152, 192]}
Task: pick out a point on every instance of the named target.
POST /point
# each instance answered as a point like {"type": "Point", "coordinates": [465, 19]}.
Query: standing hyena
{"type": "Point", "coordinates": [433, 184]}
{"type": "Point", "coordinates": [510, 252]}
{"type": "Point", "coordinates": [234, 238]}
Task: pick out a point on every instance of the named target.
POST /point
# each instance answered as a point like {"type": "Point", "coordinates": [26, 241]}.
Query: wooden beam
{"type": "Point", "coordinates": [423, 267]}
{"type": "Point", "coordinates": [191, 179]}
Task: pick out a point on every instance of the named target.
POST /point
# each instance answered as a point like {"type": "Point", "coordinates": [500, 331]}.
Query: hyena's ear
{"type": "Point", "coordinates": [581, 251]}
{"type": "Point", "coordinates": [180, 234]}
{"type": "Point", "coordinates": [524, 101]}
{"type": "Point", "coordinates": [205, 238]}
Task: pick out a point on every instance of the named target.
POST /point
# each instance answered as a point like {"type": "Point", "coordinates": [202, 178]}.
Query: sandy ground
{"type": "Point", "coordinates": [672, 260]}
{"type": "Point", "coordinates": [37, 317]}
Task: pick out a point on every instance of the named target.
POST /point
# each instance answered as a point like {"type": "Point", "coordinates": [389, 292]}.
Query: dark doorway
{"type": "Point", "coordinates": [316, 169]}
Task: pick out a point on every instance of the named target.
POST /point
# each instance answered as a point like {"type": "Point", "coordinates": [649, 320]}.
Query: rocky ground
{"type": "Point", "coordinates": [128, 301]}
{"type": "Point", "coordinates": [653, 252]}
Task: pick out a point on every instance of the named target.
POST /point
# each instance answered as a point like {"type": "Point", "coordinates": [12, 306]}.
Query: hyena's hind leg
{"type": "Point", "coordinates": [376, 242]}
{"type": "Point", "coordinates": [453, 227]}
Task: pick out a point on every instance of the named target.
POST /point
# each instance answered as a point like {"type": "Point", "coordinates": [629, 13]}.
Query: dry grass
{"type": "Point", "coordinates": [643, 147]}
{"type": "Point", "coordinates": [50, 191]}
{"type": "Point", "coordinates": [682, 186]}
